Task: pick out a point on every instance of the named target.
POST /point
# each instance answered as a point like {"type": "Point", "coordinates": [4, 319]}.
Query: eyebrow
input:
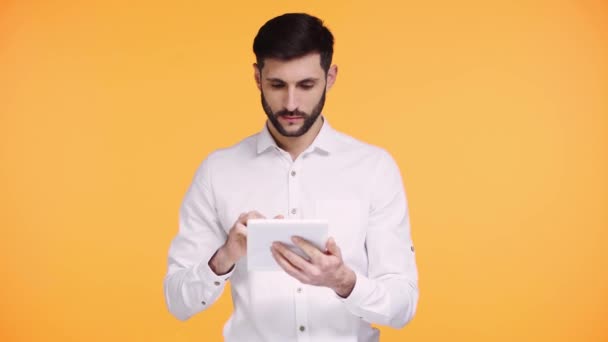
{"type": "Point", "coordinates": [310, 79]}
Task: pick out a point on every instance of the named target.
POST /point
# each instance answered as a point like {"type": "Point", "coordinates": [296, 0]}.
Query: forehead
{"type": "Point", "coordinates": [293, 70]}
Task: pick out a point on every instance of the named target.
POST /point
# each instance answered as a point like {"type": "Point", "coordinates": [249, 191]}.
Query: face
{"type": "Point", "coordinates": [293, 92]}
{"type": "Point", "coordinates": [293, 123]}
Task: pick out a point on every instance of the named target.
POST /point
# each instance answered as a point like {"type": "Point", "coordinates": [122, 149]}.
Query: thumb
{"type": "Point", "coordinates": [333, 248]}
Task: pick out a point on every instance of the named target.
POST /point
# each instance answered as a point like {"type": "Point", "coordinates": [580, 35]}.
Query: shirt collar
{"type": "Point", "coordinates": [324, 141]}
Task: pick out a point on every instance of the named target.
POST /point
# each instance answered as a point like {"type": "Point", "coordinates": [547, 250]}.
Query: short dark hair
{"type": "Point", "coordinates": [293, 35]}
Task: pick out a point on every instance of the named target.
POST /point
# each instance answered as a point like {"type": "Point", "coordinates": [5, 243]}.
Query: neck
{"type": "Point", "coordinates": [296, 145]}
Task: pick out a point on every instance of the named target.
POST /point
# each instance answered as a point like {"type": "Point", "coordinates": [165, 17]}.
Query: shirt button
{"type": "Point", "coordinates": [302, 328]}
{"type": "Point", "coordinates": [294, 211]}
{"type": "Point", "coordinates": [299, 290]}
{"type": "Point", "coordinates": [204, 303]}
{"type": "Point", "coordinates": [293, 173]}
{"type": "Point", "coordinates": [217, 283]}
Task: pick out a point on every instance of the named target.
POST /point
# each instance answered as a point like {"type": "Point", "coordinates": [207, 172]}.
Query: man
{"type": "Point", "coordinates": [297, 167]}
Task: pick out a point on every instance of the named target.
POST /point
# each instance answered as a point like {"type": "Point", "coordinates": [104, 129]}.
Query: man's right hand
{"type": "Point", "coordinates": [236, 245]}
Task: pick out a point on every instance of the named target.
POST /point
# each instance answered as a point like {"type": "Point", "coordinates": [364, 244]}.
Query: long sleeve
{"type": "Point", "coordinates": [388, 295]}
{"type": "Point", "coordinates": [190, 286]}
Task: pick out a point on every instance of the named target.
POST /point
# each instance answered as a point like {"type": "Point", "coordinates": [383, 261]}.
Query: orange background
{"type": "Point", "coordinates": [496, 111]}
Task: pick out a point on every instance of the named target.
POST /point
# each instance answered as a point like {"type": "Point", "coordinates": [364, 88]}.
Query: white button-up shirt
{"type": "Point", "coordinates": [357, 187]}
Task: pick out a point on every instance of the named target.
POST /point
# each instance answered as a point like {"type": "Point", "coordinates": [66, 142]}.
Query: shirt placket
{"type": "Point", "coordinates": [302, 326]}
{"type": "Point", "coordinates": [295, 212]}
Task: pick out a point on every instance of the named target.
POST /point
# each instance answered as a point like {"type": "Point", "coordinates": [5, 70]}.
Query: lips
{"type": "Point", "coordinates": [291, 118]}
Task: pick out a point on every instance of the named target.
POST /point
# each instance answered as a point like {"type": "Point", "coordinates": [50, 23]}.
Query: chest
{"type": "Point", "coordinates": [335, 190]}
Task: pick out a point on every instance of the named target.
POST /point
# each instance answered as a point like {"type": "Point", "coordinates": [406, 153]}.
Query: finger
{"type": "Point", "coordinates": [241, 219]}
{"type": "Point", "coordinates": [244, 217]}
{"type": "Point", "coordinates": [287, 266]}
{"type": "Point", "coordinates": [293, 258]}
{"type": "Point", "coordinates": [280, 217]}
{"type": "Point", "coordinates": [241, 229]}
{"type": "Point", "coordinates": [333, 248]}
{"type": "Point", "coordinates": [254, 215]}
{"type": "Point", "coordinates": [311, 250]}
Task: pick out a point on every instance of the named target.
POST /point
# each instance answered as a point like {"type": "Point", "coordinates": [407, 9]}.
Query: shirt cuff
{"type": "Point", "coordinates": [363, 287]}
{"type": "Point", "coordinates": [207, 275]}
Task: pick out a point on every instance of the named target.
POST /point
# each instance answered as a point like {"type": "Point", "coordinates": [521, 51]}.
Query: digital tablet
{"type": "Point", "coordinates": [261, 233]}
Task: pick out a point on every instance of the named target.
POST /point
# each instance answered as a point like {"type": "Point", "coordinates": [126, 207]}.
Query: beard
{"type": "Point", "coordinates": [309, 119]}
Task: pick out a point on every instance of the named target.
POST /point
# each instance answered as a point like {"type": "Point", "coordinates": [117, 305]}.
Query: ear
{"type": "Point", "coordinates": [257, 76]}
{"type": "Point", "coordinates": [332, 73]}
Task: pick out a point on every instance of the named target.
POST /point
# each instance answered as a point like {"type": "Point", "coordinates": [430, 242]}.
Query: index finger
{"type": "Point", "coordinates": [249, 215]}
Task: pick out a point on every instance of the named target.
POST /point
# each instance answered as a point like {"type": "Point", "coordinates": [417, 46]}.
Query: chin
{"type": "Point", "coordinates": [291, 128]}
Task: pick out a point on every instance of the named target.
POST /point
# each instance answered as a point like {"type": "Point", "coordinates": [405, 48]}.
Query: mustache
{"type": "Point", "coordinates": [291, 113]}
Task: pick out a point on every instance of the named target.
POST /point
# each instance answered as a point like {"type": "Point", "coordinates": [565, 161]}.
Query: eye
{"type": "Point", "coordinates": [277, 85]}
{"type": "Point", "coordinates": [307, 86]}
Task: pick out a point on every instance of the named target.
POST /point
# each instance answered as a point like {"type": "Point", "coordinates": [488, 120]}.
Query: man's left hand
{"type": "Point", "coordinates": [323, 269]}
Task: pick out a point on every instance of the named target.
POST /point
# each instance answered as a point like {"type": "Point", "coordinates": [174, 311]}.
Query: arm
{"type": "Point", "coordinates": [388, 295]}
{"type": "Point", "coordinates": [190, 285]}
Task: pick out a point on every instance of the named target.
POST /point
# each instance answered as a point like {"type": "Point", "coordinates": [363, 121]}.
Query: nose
{"type": "Point", "coordinates": [290, 102]}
